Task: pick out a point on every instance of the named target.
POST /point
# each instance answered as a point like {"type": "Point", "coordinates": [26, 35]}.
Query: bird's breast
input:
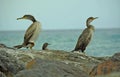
{"type": "Point", "coordinates": [36, 32]}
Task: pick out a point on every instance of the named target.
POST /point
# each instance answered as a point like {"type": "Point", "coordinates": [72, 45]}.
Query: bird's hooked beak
{"type": "Point", "coordinates": [96, 18]}
{"type": "Point", "coordinates": [49, 44]}
{"type": "Point", "coordinates": [21, 18]}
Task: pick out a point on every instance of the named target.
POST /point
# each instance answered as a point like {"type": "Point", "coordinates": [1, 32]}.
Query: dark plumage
{"type": "Point", "coordinates": [44, 47]}
{"type": "Point", "coordinates": [86, 36]}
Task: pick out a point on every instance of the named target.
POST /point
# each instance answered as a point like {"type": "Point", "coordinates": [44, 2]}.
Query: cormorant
{"type": "Point", "coordinates": [86, 36]}
{"type": "Point", "coordinates": [44, 47]}
{"type": "Point", "coordinates": [31, 33]}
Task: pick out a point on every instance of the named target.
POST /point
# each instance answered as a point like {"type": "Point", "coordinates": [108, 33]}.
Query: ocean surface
{"type": "Point", "coordinates": [105, 42]}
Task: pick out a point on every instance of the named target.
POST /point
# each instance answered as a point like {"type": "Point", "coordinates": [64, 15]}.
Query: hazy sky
{"type": "Point", "coordinates": [59, 14]}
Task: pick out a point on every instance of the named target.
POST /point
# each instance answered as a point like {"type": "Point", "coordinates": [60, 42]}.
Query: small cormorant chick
{"type": "Point", "coordinates": [44, 47]}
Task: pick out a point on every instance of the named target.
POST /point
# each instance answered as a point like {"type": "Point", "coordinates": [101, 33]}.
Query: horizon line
{"type": "Point", "coordinates": [61, 29]}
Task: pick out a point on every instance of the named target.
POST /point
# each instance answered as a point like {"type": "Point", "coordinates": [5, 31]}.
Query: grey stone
{"type": "Point", "coordinates": [2, 74]}
{"type": "Point", "coordinates": [9, 64]}
{"type": "Point", "coordinates": [45, 68]}
{"type": "Point", "coordinates": [116, 57]}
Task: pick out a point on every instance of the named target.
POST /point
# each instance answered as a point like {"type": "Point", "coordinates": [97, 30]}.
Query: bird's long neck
{"type": "Point", "coordinates": [88, 23]}
{"type": "Point", "coordinates": [33, 19]}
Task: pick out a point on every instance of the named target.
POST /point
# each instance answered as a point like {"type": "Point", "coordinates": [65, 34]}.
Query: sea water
{"type": "Point", "coordinates": [105, 42]}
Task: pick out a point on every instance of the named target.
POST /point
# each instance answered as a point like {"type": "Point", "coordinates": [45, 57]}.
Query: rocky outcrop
{"type": "Point", "coordinates": [110, 66]}
{"type": "Point", "coordinates": [47, 68]}
{"type": "Point", "coordinates": [9, 65]}
{"type": "Point", "coordinates": [53, 63]}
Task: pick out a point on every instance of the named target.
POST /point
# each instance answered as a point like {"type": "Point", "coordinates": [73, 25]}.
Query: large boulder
{"type": "Point", "coordinates": [50, 63]}
{"type": "Point", "coordinates": [9, 65]}
{"type": "Point", "coordinates": [110, 66]}
{"type": "Point", "coordinates": [47, 68]}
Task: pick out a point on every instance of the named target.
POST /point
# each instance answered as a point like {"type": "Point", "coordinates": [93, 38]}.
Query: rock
{"type": "Point", "coordinates": [110, 66]}
{"type": "Point", "coordinates": [2, 45]}
{"type": "Point", "coordinates": [116, 74]}
{"type": "Point", "coordinates": [47, 68]}
{"type": "Point", "coordinates": [54, 63]}
{"type": "Point", "coordinates": [8, 64]}
{"type": "Point", "coordinates": [2, 74]}
{"type": "Point", "coordinates": [116, 57]}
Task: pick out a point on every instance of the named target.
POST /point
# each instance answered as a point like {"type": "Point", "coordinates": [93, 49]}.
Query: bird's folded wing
{"type": "Point", "coordinates": [83, 38]}
{"type": "Point", "coordinates": [29, 33]}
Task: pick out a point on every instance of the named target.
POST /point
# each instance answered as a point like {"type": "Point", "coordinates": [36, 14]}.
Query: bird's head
{"type": "Point", "coordinates": [46, 44]}
{"type": "Point", "coordinates": [90, 19]}
{"type": "Point", "coordinates": [29, 17]}
{"type": "Point", "coordinates": [44, 47]}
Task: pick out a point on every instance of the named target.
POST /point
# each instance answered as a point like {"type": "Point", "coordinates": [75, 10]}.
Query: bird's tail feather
{"type": "Point", "coordinates": [18, 46]}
